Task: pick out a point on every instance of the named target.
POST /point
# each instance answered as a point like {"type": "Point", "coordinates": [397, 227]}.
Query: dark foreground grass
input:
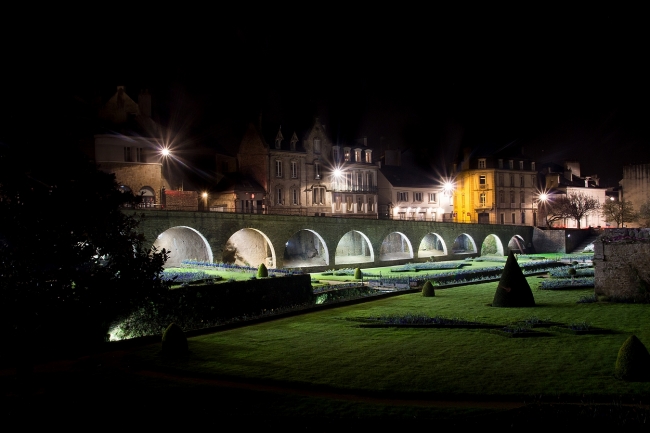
{"type": "Point", "coordinates": [321, 370]}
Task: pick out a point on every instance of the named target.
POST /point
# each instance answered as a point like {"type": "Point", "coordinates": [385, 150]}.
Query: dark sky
{"type": "Point", "coordinates": [561, 84]}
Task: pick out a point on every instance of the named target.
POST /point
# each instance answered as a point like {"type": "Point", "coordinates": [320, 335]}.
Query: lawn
{"type": "Point", "coordinates": [327, 350]}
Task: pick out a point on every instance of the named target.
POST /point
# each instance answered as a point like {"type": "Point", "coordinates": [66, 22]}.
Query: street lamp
{"type": "Point", "coordinates": [205, 201]}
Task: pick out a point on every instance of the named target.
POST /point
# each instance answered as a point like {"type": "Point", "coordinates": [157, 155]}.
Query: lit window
{"type": "Point", "coordinates": [482, 199]}
{"type": "Point", "coordinates": [348, 203]}
{"type": "Point", "coordinates": [278, 168]}
{"type": "Point", "coordinates": [369, 156]}
{"type": "Point", "coordinates": [294, 169]}
{"type": "Point", "coordinates": [482, 180]}
{"type": "Point", "coordinates": [402, 196]}
{"type": "Point", "coordinates": [357, 155]}
{"type": "Point", "coordinates": [432, 197]}
{"type": "Point", "coordinates": [318, 196]}
{"type": "Point", "coordinates": [417, 196]}
{"type": "Point", "coordinates": [346, 154]}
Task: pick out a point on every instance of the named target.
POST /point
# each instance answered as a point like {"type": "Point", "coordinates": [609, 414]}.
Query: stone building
{"type": "Point", "coordinates": [409, 193]}
{"type": "Point", "coordinates": [635, 187]}
{"type": "Point", "coordinates": [497, 188]}
{"type": "Point", "coordinates": [308, 176]}
{"type": "Point", "coordinates": [128, 146]}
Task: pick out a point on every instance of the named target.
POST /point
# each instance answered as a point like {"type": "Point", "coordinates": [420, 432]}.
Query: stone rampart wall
{"type": "Point", "coordinates": [622, 263]}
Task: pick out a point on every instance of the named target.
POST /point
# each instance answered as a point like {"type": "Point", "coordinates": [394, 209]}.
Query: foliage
{"type": "Point", "coordinates": [619, 212]}
{"type": "Point", "coordinates": [420, 319]}
{"type": "Point", "coordinates": [262, 272]}
{"type": "Point", "coordinates": [70, 258]}
{"type": "Point", "coordinates": [174, 341]}
{"type": "Point", "coordinates": [489, 246]}
{"type": "Point", "coordinates": [428, 290]}
{"type": "Point", "coordinates": [513, 289]}
{"type": "Point", "coordinates": [632, 361]}
{"type": "Point", "coordinates": [563, 283]}
{"type": "Point", "coordinates": [358, 274]}
{"type": "Point", "coordinates": [574, 205]}
{"type": "Point", "coordinates": [643, 217]}
{"type": "Point", "coordinates": [588, 299]}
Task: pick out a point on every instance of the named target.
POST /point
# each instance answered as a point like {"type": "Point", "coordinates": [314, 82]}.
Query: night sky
{"type": "Point", "coordinates": [562, 84]}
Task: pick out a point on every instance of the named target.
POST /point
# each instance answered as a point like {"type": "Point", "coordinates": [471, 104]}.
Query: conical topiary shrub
{"type": "Point", "coordinates": [174, 342]}
{"type": "Point", "coordinates": [633, 361]}
{"type": "Point", "coordinates": [358, 274]}
{"type": "Point", "coordinates": [513, 289]}
{"type": "Point", "coordinates": [262, 272]}
{"type": "Point", "coordinates": [427, 290]}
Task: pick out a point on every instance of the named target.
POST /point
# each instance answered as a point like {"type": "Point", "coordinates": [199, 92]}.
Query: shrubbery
{"type": "Point", "coordinates": [174, 342]}
{"type": "Point", "coordinates": [428, 290]}
{"type": "Point", "coordinates": [633, 361]}
{"type": "Point", "coordinates": [262, 272]}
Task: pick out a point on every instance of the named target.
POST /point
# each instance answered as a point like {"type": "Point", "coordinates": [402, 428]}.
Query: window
{"type": "Point", "coordinates": [511, 164]}
{"type": "Point", "coordinates": [337, 201]}
{"type": "Point", "coordinates": [482, 181]}
{"type": "Point", "coordinates": [502, 197]}
{"type": "Point", "coordinates": [279, 196]}
{"type": "Point", "coordinates": [294, 196]}
{"type": "Point", "coordinates": [482, 199]}
{"type": "Point", "coordinates": [513, 217]}
{"type": "Point", "coordinates": [369, 156]}
{"type": "Point", "coordinates": [521, 181]}
{"type": "Point", "coordinates": [522, 197]}
{"type": "Point", "coordinates": [359, 204]}
{"type": "Point", "coordinates": [533, 180]}
{"type": "Point", "coordinates": [357, 155]}
{"type": "Point", "coordinates": [316, 170]}
{"type": "Point", "coordinates": [512, 180]}
{"type": "Point", "coordinates": [502, 218]}
{"type": "Point", "coordinates": [138, 152]}
{"type": "Point", "coordinates": [359, 182]}
{"type": "Point", "coordinates": [335, 153]}
{"type": "Point", "coordinates": [402, 196]}
{"type": "Point", "coordinates": [278, 168]}
{"type": "Point", "coordinates": [316, 145]}
{"type": "Point", "coordinates": [501, 163]}
{"type": "Point", "coordinates": [346, 154]}
{"type": "Point", "coordinates": [481, 163]}
{"type": "Point", "coordinates": [532, 166]}
{"type": "Point", "coordinates": [417, 196]}
{"type": "Point", "coordinates": [348, 203]}
{"type": "Point", "coordinates": [500, 179]}
{"type": "Point", "coordinates": [294, 169]}
{"type": "Point", "coordinates": [127, 154]}
{"type": "Point", "coordinates": [432, 197]}
{"type": "Point", "coordinates": [318, 196]}
{"type": "Point", "coordinates": [371, 204]}
{"type": "Point", "coordinates": [521, 165]}
{"type": "Point", "coordinates": [523, 217]}
{"type": "Point", "coordinates": [512, 196]}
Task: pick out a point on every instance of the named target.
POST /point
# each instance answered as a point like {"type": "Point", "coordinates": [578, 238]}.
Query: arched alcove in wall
{"type": "Point", "coordinates": [183, 243]}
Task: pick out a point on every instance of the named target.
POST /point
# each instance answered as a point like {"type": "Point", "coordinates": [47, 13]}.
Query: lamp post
{"type": "Point", "coordinates": [205, 202]}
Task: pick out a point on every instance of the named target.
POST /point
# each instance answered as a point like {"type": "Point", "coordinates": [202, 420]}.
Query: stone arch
{"type": "Point", "coordinates": [306, 248]}
{"type": "Point", "coordinates": [354, 247]}
{"type": "Point", "coordinates": [183, 243]}
{"type": "Point", "coordinates": [517, 245]}
{"type": "Point", "coordinates": [395, 246]}
{"type": "Point", "coordinates": [432, 245]}
{"type": "Point", "coordinates": [492, 246]}
{"type": "Point", "coordinates": [249, 247]}
{"type": "Point", "coordinates": [464, 244]}
{"type": "Point", "coordinates": [146, 197]}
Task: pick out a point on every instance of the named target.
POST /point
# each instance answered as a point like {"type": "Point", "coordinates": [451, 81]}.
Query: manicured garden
{"type": "Point", "coordinates": [330, 350]}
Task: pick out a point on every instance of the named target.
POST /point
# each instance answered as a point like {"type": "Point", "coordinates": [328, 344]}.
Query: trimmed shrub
{"type": "Point", "coordinates": [174, 342]}
{"type": "Point", "coordinates": [262, 272]}
{"type": "Point", "coordinates": [358, 274]}
{"type": "Point", "coordinates": [513, 289]}
{"type": "Point", "coordinates": [427, 290]}
{"type": "Point", "coordinates": [633, 361]}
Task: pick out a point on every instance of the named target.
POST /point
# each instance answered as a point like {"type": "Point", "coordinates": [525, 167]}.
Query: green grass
{"type": "Point", "coordinates": [326, 351]}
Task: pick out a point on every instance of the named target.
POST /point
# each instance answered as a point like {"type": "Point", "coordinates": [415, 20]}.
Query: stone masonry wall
{"type": "Point", "coordinates": [181, 200]}
{"type": "Point", "coordinates": [621, 262]}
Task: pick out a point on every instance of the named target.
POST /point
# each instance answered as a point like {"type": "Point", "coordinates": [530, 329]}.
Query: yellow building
{"type": "Point", "coordinates": [496, 190]}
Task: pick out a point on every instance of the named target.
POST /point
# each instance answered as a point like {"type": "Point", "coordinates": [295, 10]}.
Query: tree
{"type": "Point", "coordinates": [575, 205]}
{"type": "Point", "coordinates": [70, 260]}
{"type": "Point", "coordinates": [643, 217]}
{"type": "Point", "coordinates": [619, 212]}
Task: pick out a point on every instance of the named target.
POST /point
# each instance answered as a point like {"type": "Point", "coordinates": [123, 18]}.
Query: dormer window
{"type": "Point", "coordinates": [532, 166]}
{"type": "Point", "coordinates": [521, 165]}
{"type": "Point", "coordinates": [481, 163]}
{"type": "Point", "coordinates": [335, 153]}
{"type": "Point", "coordinates": [511, 164]}
{"type": "Point", "coordinates": [357, 155]}
{"type": "Point", "coordinates": [369, 156]}
{"type": "Point", "coordinates": [316, 145]}
{"type": "Point", "coordinates": [501, 163]}
{"type": "Point", "coordinates": [278, 139]}
{"type": "Point", "coordinates": [294, 140]}
{"type": "Point", "coordinates": [346, 154]}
